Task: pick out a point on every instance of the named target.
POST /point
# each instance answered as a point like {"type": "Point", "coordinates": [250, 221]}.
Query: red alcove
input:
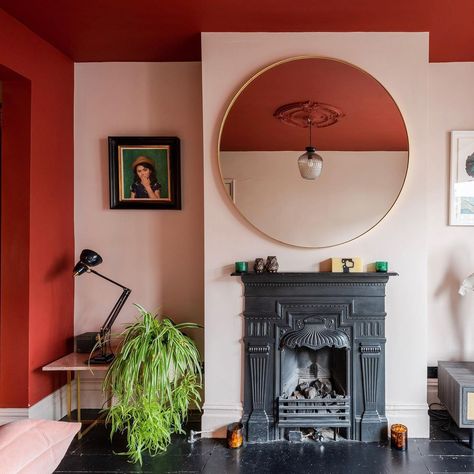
{"type": "Point", "coordinates": [15, 238]}
{"type": "Point", "coordinates": [37, 213]}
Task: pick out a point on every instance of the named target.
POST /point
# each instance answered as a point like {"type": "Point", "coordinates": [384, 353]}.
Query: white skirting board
{"type": "Point", "coordinates": [215, 418]}
{"type": "Point", "coordinates": [52, 407]}
{"type": "Point", "coordinates": [415, 417]}
{"type": "Point", "coordinates": [92, 395]}
{"type": "Point", "coordinates": [12, 414]}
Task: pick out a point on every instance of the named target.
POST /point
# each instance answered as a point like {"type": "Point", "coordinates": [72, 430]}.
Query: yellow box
{"type": "Point", "coordinates": [346, 265]}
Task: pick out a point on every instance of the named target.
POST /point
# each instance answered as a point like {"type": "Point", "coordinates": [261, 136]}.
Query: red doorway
{"type": "Point", "coordinates": [14, 240]}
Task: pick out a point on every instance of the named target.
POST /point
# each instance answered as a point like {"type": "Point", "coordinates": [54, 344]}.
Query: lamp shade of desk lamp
{"type": "Point", "coordinates": [87, 260]}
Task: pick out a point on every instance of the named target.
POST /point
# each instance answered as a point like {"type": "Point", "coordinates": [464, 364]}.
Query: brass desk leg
{"type": "Point", "coordinates": [68, 395]}
{"type": "Point", "coordinates": [100, 418]}
{"type": "Point", "coordinates": [78, 394]}
{"type": "Point", "coordinates": [93, 423]}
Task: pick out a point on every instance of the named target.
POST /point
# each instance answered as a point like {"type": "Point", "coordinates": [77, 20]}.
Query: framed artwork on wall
{"type": "Point", "coordinates": [461, 203]}
{"type": "Point", "coordinates": [144, 173]}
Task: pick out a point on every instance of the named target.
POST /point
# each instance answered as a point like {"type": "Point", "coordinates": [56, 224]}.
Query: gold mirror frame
{"type": "Point", "coordinates": [224, 180]}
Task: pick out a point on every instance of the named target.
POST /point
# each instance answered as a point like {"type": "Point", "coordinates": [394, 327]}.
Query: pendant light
{"type": "Point", "coordinates": [307, 114]}
{"type": "Point", "coordinates": [310, 163]}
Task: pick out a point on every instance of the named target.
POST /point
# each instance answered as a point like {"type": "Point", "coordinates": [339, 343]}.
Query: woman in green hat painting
{"type": "Point", "coordinates": [145, 185]}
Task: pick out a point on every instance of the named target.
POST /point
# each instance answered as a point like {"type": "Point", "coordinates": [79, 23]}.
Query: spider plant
{"type": "Point", "coordinates": [153, 379]}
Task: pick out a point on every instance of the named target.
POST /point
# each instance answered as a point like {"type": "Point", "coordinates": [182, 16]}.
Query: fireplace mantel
{"type": "Point", "coordinates": [306, 277]}
{"type": "Point", "coordinates": [350, 304]}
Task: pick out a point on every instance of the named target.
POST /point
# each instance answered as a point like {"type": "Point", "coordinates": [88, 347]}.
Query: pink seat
{"type": "Point", "coordinates": [34, 446]}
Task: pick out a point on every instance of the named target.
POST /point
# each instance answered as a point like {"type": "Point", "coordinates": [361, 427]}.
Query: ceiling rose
{"type": "Point", "coordinates": [302, 114]}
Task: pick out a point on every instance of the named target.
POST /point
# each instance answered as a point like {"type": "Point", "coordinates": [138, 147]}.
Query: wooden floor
{"type": "Point", "coordinates": [445, 451]}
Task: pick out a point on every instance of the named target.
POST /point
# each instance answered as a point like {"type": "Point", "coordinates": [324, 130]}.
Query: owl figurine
{"type": "Point", "coordinates": [272, 264]}
{"type": "Point", "coordinates": [259, 265]}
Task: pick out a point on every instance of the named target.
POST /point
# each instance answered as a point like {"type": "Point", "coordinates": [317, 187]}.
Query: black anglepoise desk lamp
{"type": "Point", "coordinates": [89, 259]}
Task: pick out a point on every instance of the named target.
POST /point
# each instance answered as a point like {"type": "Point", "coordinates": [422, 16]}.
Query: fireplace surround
{"type": "Point", "coordinates": [314, 354]}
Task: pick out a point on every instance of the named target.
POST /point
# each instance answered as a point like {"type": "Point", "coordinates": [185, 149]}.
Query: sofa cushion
{"type": "Point", "coordinates": [34, 446]}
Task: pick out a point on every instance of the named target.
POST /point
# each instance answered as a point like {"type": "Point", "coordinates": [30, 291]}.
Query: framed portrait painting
{"type": "Point", "coordinates": [144, 173]}
{"type": "Point", "coordinates": [461, 203]}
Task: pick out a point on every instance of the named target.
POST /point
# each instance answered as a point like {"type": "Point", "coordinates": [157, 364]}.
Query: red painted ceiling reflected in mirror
{"type": "Point", "coordinates": [371, 119]}
{"type": "Point", "coordinates": [365, 153]}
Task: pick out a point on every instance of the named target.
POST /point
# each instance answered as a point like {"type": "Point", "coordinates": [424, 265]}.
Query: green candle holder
{"type": "Point", "coordinates": [381, 267]}
{"type": "Point", "coordinates": [241, 267]}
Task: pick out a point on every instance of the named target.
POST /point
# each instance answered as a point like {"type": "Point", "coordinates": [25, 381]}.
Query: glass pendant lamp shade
{"type": "Point", "coordinates": [307, 114]}
{"type": "Point", "coordinates": [310, 164]}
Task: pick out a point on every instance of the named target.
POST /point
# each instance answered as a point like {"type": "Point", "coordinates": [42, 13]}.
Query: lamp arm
{"type": "Point", "coordinates": [106, 327]}
{"type": "Point", "coordinates": [103, 339]}
{"type": "Point", "coordinates": [108, 279]}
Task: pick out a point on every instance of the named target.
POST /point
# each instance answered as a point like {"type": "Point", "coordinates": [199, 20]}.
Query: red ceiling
{"type": "Point", "coordinates": [155, 30]}
{"type": "Point", "coordinates": [372, 121]}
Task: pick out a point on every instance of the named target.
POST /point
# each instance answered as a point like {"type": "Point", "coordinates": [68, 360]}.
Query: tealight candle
{"type": "Point", "coordinates": [399, 437]}
{"type": "Point", "coordinates": [381, 266]}
{"type": "Point", "coordinates": [235, 435]}
{"type": "Point", "coordinates": [241, 267]}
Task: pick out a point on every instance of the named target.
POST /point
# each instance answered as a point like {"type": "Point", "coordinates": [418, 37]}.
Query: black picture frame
{"type": "Point", "coordinates": [157, 160]}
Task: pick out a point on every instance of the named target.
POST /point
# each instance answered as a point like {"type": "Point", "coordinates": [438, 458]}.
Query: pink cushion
{"type": "Point", "coordinates": [34, 446]}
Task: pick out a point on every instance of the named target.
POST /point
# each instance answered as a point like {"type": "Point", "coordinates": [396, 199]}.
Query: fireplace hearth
{"type": "Point", "coordinates": [314, 354]}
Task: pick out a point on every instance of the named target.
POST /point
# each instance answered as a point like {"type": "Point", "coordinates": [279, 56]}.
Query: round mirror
{"type": "Point", "coordinates": [313, 151]}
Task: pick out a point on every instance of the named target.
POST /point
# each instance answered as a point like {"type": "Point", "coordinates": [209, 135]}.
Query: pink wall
{"type": "Point", "coordinates": [450, 249]}
{"type": "Point", "coordinates": [400, 62]}
{"type": "Point", "coordinates": [158, 254]}
{"type": "Point", "coordinates": [37, 217]}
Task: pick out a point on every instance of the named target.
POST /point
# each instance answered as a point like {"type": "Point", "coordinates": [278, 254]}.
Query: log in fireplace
{"type": "Point", "coordinates": [314, 354]}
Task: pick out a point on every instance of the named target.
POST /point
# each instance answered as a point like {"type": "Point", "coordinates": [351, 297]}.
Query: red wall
{"type": "Point", "coordinates": [37, 246]}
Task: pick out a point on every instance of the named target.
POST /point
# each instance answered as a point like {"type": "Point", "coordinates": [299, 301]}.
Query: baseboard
{"type": "Point", "coordinates": [216, 418]}
{"type": "Point", "coordinates": [52, 407]}
{"type": "Point", "coordinates": [92, 395]}
{"type": "Point", "coordinates": [415, 417]}
{"type": "Point", "coordinates": [12, 414]}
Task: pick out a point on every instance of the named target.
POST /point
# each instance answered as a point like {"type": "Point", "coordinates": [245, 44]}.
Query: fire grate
{"type": "Point", "coordinates": [316, 412]}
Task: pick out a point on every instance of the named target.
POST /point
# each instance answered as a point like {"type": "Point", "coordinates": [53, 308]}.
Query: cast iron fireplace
{"type": "Point", "coordinates": [314, 354]}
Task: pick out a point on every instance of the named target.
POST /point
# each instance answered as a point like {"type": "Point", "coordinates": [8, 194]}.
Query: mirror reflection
{"type": "Point", "coordinates": [313, 152]}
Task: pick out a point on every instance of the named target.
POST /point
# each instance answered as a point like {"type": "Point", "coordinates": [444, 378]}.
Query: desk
{"type": "Point", "coordinates": [75, 362]}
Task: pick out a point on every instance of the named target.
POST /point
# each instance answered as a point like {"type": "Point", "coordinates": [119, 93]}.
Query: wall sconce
{"type": "Point", "coordinates": [308, 114]}
{"type": "Point", "coordinates": [89, 259]}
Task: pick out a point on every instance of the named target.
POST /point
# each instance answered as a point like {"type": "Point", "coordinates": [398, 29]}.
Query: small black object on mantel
{"type": "Point", "coordinates": [259, 265]}
{"type": "Point", "coordinates": [272, 264]}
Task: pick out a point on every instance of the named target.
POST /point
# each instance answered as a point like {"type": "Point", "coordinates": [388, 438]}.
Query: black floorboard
{"type": "Point", "coordinates": [446, 451]}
